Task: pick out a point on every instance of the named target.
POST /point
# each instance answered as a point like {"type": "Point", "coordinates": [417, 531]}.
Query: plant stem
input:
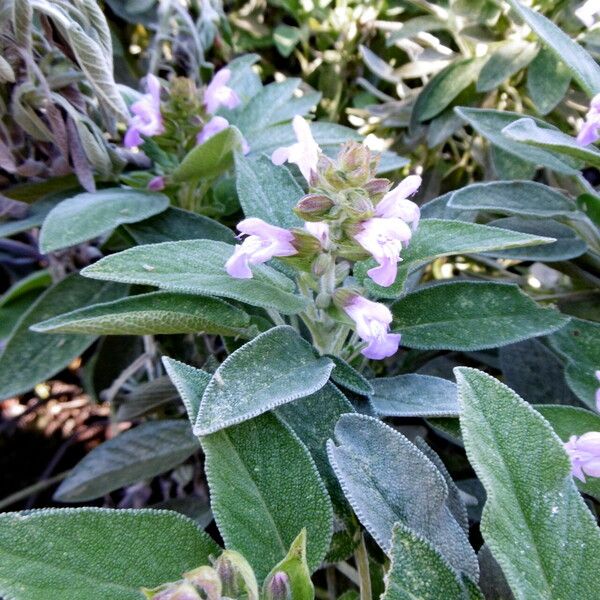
{"type": "Point", "coordinates": [362, 563]}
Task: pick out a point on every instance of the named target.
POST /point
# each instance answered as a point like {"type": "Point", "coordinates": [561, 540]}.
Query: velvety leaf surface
{"type": "Point", "coordinates": [140, 453]}
{"type": "Point", "coordinates": [580, 63]}
{"type": "Point", "coordinates": [437, 237]}
{"type": "Point", "coordinates": [418, 570]}
{"type": "Point", "coordinates": [469, 315]}
{"type": "Point", "coordinates": [507, 60]}
{"type": "Point", "coordinates": [78, 553]}
{"type": "Point", "coordinates": [414, 395]}
{"type": "Point", "coordinates": [29, 357]}
{"type": "Point", "coordinates": [197, 267]}
{"type": "Point", "coordinates": [264, 489]}
{"type": "Point", "coordinates": [177, 224]}
{"type": "Point", "coordinates": [490, 123]}
{"type": "Point", "coordinates": [276, 367]}
{"type": "Point", "coordinates": [153, 313]}
{"type": "Point", "coordinates": [86, 216]}
{"type": "Point", "coordinates": [579, 343]}
{"type": "Point", "coordinates": [267, 191]}
{"type": "Point", "coordinates": [534, 521]}
{"type": "Point", "coordinates": [35, 216]}
{"type": "Point", "coordinates": [548, 80]}
{"type": "Point", "coordinates": [526, 198]}
{"type": "Point", "coordinates": [348, 377]}
{"type": "Point", "coordinates": [387, 479]}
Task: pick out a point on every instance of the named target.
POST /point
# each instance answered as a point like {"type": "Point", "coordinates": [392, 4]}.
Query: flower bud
{"type": "Point", "coordinates": [236, 575]}
{"type": "Point", "coordinates": [321, 265]}
{"type": "Point", "coordinates": [306, 244]}
{"type": "Point", "coordinates": [173, 591]}
{"type": "Point", "coordinates": [323, 300]}
{"type": "Point", "coordinates": [156, 184]}
{"type": "Point", "coordinates": [357, 206]}
{"type": "Point", "coordinates": [377, 186]}
{"type": "Point", "coordinates": [313, 207]}
{"type": "Point", "coordinates": [207, 580]}
{"type": "Point", "coordinates": [342, 270]}
{"type": "Point", "coordinates": [278, 587]}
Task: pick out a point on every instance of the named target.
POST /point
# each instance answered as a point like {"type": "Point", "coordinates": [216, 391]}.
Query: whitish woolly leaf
{"type": "Point", "coordinates": [276, 367]}
{"type": "Point", "coordinates": [197, 267]}
{"type": "Point", "coordinates": [89, 215]}
{"type": "Point", "coordinates": [418, 570]}
{"type": "Point", "coordinates": [548, 80]}
{"type": "Point", "coordinates": [145, 398]}
{"type": "Point", "coordinates": [438, 209]}
{"type": "Point", "coordinates": [490, 123]}
{"type": "Point", "coordinates": [140, 453]}
{"type": "Point", "coordinates": [29, 357]}
{"type": "Point", "coordinates": [35, 217]}
{"type": "Point", "coordinates": [504, 62]}
{"type": "Point", "coordinates": [580, 63]}
{"type": "Point", "coordinates": [153, 313]}
{"type": "Point", "coordinates": [534, 521]}
{"type": "Point", "coordinates": [78, 553]}
{"type": "Point", "coordinates": [414, 395]}
{"type": "Point", "coordinates": [349, 378]}
{"type": "Point", "coordinates": [525, 198]}
{"type": "Point", "coordinates": [469, 315]}
{"type": "Point", "coordinates": [264, 490]}
{"type": "Point", "coordinates": [176, 224]}
{"type": "Point", "coordinates": [267, 191]}
{"type": "Point", "coordinates": [527, 132]}
{"type": "Point", "coordinates": [435, 238]}
{"type": "Point", "coordinates": [387, 479]}
{"type": "Point", "coordinates": [579, 342]}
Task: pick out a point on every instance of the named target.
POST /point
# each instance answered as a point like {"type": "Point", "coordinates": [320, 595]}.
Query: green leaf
{"type": "Point", "coordinates": [548, 80]}
{"type": "Point", "coordinates": [567, 243]}
{"type": "Point", "coordinates": [197, 267]}
{"type": "Point", "coordinates": [91, 553]}
{"type": "Point", "coordinates": [35, 217]}
{"type": "Point", "coordinates": [266, 191]}
{"type": "Point", "coordinates": [509, 166]}
{"type": "Point", "coordinates": [349, 377]}
{"type": "Point", "coordinates": [153, 313]}
{"type": "Point", "coordinates": [414, 395]}
{"type": "Point", "coordinates": [387, 479]}
{"type": "Point", "coordinates": [264, 490]}
{"type": "Point", "coordinates": [29, 357]}
{"type": "Point", "coordinates": [490, 123]}
{"type": "Point", "coordinates": [274, 368]}
{"type": "Point", "coordinates": [141, 453]}
{"type": "Point", "coordinates": [89, 215]}
{"type": "Point", "coordinates": [583, 67]}
{"type": "Point", "coordinates": [286, 39]}
{"type": "Point", "coordinates": [418, 570]}
{"type": "Point", "coordinates": [210, 159]}
{"type": "Point", "coordinates": [438, 209]}
{"type": "Point", "coordinates": [444, 87]}
{"type": "Point", "coordinates": [145, 398]}
{"type": "Point", "coordinates": [579, 343]}
{"type": "Point", "coordinates": [527, 132]}
{"type": "Point", "coordinates": [176, 224]}
{"type": "Point", "coordinates": [435, 238]}
{"type": "Point", "coordinates": [525, 198]}
{"type": "Point", "coordinates": [534, 521]}
{"type": "Point", "coordinates": [507, 60]}
{"type": "Point", "coordinates": [471, 315]}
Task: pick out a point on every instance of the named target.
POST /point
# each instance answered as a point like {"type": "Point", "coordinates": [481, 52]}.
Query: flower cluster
{"type": "Point", "coordinates": [584, 452]}
{"type": "Point", "coordinates": [590, 130]}
{"type": "Point", "coordinates": [351, 215]}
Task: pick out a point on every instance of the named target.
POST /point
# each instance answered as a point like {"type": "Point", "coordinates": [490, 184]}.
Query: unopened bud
{"type": "Point", "coordinates": [156, 184]}
{"type": "Point", "coordinates": [358, 206]}
{"type": "Point", "coordinates": [378, 186]}
{"type": "Point", "coordinates": [321, 264]}
{"type": "Point", "coordinates": [313, 207]}
{"type": "Point", "coordinates": [342, 270]}
{"type": "Point", "coordinates": [207, 580]}
{"type": "Point", "coordinates": [344, 296]}
{"type": "Point", "coordinates": [305, 243]}
{"type": "Point", "coordinates": [173, 591]}
{"type": "Point", "coordinates": [353, 156]}
{"type": "Point", "coordinates": [236, 575]}
{"type": "Point", "coordinates": [323, 300]}
{"type": "Point", "coordinates": [278, 587]}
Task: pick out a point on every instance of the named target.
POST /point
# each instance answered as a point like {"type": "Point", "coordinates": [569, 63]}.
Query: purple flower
{"type": "Point", "coordinates": [588, 133]}
{"type": "Point", "coordinates": [304, 153]}
{"type": "Point", "coordinates": [382, 238]}
{"type": "Point", "coordinates": [584, 452]}
{"type": "Point", "coordinates": [264, 241]}
{"type": "Point", "coordinates": [147, 119]}
{"type": "Point", "coordinates": [395, 203]}
{"type": "Point", "coordinates": [217, 92]}
{"type": "Point", "coordinates": [372, 325]}
{"type": "Point", "coordinates": [214, 126]}
{"type": "Point", "coordinates": [156, 184]}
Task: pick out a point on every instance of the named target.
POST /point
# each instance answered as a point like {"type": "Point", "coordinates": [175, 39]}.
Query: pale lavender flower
{"type": "Point", "coordinates": [264, 241]}
{"type": "Point", "coordinates": [588, 133]}
{"type": "Point", "coordinates": [218, 93]}
{"type": "Point", "coordinates": [396, 204]}
{"type": "Point", "coordinates": [372, 321]}
{"type": "Point", "coordinates": [156, 184]}
{"type": "Point", "coordinates": [598, 392]}
{"type": "Point", "coordinates": [320, 230]}
{"type": "Point", "coordinates": [278, 587]}
{"type": "Point", "coordinates": [304, 153]}
{"type": "Point", "coordinates": [584, 452]}
{"type": "Point", "coordinates": [214, 126]}
{"type": "Point", "coordinates": [382, 238]}
{"type": "Point", "coordinates": [146, 119]}
{"type": "Point", "coordinates": [587, 12]}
